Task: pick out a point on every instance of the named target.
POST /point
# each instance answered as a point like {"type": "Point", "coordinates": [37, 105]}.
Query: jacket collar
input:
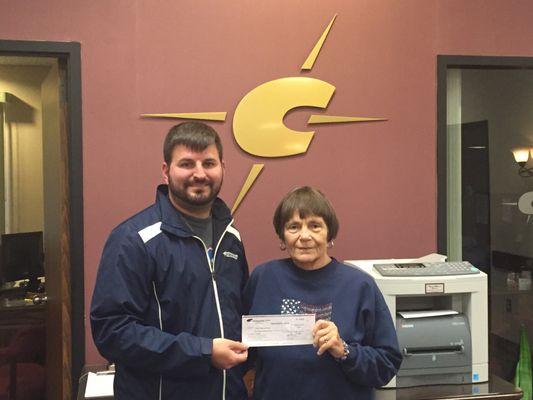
{"type": "Point", "coordinates": [173, 221]}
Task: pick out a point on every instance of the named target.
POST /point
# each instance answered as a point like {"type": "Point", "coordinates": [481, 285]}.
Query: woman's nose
{"type": "Point", "coordinates": [305, 234]}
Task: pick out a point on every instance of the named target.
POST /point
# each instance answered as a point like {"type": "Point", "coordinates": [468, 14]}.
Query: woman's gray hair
{"type": "Point", "coordinates": [306, 201]}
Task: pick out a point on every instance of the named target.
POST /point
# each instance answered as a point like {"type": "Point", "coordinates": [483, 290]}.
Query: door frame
{"type": "Point", "coordinates": [70, 52]}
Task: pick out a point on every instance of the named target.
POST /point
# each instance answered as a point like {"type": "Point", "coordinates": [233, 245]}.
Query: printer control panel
{"type": "Point", "coordinates": [427, 269]}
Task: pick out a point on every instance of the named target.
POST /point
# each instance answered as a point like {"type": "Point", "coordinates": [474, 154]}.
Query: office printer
{"type": "Point", "coordinates": [440, 313]}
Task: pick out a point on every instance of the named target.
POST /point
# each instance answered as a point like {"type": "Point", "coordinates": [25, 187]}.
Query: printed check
{"type": "Point", "coordinates": [277, 330]}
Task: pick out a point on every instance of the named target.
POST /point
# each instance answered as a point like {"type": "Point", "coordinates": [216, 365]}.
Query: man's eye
{"type": "Point", "coordinates": [185, 165]}
{"type": "Point", "coordinates": [210, 164]}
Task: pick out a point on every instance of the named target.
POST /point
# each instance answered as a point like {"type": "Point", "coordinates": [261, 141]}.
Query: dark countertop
{"type": "Point", "coordinates": [496, 388]}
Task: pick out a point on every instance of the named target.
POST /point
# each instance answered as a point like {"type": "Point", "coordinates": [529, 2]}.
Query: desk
{"type": "Point", "coordinates": [16, 318]}
{"type": "Point", "coordinates": [28, 313]}
{"type": "Point", "coordinates": [23, 345]}
{"type": "Point", "coordinates": [495, 389]}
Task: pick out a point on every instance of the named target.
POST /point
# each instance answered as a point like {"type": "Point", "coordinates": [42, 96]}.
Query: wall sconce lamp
{"type": "Point", "coordinates": [521, 155]}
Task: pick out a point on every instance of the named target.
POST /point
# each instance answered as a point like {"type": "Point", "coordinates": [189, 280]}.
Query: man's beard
{"type": "Point", "coordinates": [182, 195]}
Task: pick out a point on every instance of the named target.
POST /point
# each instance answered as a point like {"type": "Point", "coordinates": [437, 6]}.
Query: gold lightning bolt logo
{"type": "Point", "coordinates": [258, 124]}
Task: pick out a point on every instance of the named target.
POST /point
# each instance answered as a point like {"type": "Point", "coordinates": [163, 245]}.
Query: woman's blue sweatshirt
{"type": "Point", "coordinates": [336, 292]}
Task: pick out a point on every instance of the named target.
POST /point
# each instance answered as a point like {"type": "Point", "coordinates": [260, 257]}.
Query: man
{"type": "Point", "coordinates": [166, 307]}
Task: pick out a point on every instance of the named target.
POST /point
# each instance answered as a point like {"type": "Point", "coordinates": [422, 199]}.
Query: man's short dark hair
{"type": "Point", "coordinates": [196, 136]}
{"type": "Point", "coordinates": [306, 201]}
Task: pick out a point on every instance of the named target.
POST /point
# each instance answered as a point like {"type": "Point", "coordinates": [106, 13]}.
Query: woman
{"type": "Point", "coordinates": [354, 341]}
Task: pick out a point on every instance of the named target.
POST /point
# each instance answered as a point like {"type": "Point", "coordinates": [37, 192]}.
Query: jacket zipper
{"type": "Point", "coordinates": [215, 289]}
{"type": "Point", "coordinates": [160, 327]}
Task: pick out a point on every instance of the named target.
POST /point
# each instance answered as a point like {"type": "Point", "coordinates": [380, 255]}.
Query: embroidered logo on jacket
{"type": "Point", "coordinates": [230, 255]}
{"type": "Point", "coordinates": [293, 306]}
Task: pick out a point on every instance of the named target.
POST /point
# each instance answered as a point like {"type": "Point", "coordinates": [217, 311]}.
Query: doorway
{"type": "Point", "coordinates": [41, 217]}
{"type": "Point", "coordinates": [484, 113]}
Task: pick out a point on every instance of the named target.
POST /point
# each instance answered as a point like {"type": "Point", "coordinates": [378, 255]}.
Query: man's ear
{"type": "Point", "coordinates": [164, 171]}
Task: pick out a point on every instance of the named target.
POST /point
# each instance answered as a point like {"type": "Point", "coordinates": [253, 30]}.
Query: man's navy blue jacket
{"type": "Point", "coordinates": [159, 302]}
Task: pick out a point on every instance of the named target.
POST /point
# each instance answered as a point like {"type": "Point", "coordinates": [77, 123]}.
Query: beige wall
{"type": "Point", "coordinates": [23, 152]}
{"type": "Point", "coordinates": [51, 171]}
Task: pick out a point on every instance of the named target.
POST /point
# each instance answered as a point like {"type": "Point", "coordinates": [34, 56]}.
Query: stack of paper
{"type": "Point", "coordinates": [426, 314]}
{"type": "Point", "coordinates": [99, 385]}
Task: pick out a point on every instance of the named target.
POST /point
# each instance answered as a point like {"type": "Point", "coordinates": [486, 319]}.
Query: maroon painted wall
{"type": "Point", "coordinates": [190, 56]}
